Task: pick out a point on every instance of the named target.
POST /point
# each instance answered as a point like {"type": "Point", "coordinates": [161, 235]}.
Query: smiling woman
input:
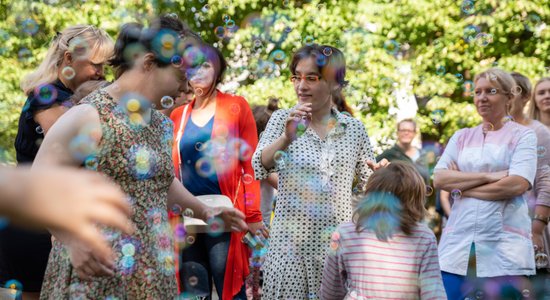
{"type": "Point", "coordinates": [75, 56]}
{"type": "Point", "coordinates": [317, 152]}
{"type": "Point", "coordinates": [539, 104]}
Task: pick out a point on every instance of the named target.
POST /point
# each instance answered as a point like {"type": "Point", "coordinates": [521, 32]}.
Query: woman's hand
{"type": "Point", "coordinates": [537, 241]}
{"type": "Point", "coordinates": [298, 121]}
{"type": "Point", "coordinates": [232, 218]}
{"type": "Point", "coordinates": [258, 228]}
{"type": "Point", "coordinates": [377, 165]}
{"type": "Point", "coordinates": [452, 166]}
{"type": "Point", "coordinates": [87, 264]}
{"type": "Point", "coordinates": [74, 203]}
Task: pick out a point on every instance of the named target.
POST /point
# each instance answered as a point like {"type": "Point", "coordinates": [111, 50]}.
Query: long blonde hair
{"type": "Point", "coordinates": [532, 110]}
{"type": "Point", "coordinates": [75, 38]}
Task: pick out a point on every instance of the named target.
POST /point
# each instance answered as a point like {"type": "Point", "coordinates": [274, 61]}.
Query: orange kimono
{"type": "Point", "coordinates": [234, 130]}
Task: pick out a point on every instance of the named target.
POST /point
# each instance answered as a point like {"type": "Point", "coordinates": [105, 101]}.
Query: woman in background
{"type": "Point", "coordinates": [538, 198]}
{"type": "Point", "coordinates": [75, 56]}
{"type": "Point", "coordinates": [214, 138]}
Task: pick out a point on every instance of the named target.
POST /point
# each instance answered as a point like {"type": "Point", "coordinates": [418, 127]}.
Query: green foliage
{"type": "Point", "coordinates": [435, 40]}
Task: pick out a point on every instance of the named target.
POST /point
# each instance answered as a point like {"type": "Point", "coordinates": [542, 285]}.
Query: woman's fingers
{"type": "Point", "coordinates": [91, 238]}
{"type": "Point", "coordinates": [110, 193]}
{"type": "Point", "coordinates": [237, 220]}
{"type": "Point", "coordinates": [97, 268]}
{"type": "Point", "coordinates": [82, 274]}
{"type": "Point", "coordinates": [112, 217]}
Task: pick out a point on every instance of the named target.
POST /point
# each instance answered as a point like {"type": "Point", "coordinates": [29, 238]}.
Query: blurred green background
{"type": "Point", "coordinates": [400, 54]}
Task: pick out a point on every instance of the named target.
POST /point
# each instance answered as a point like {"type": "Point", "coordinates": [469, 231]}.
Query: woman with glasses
{"type": "Point", "coordinates": [486, 247]}
{"type": "Point", "coordinates": [317, 153]}
{"type": "Point", "coordinates": [75, 56]}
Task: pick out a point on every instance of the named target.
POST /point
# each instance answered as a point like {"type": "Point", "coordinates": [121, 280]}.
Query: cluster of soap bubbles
{"type": "Point", "coordinates": [128, 248]}
{"type": "Point", "coordinates": [221, 154]}
{"type": "Point", "coordinates": [143, 162]}
{"type": "Point", "coordinates": [85, 144]}
{"type": "Point", "coordinates": [157, 221]}
{"type": "Point", "coordinates": [259, 246]}
{"type": "Point", "coordinates": [78, 290]}
{"type": "Point", "coordinates": [135, 110]}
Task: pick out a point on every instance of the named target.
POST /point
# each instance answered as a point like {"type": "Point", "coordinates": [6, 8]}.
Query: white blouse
{"type": "Point", "coordinates": [501, 230]}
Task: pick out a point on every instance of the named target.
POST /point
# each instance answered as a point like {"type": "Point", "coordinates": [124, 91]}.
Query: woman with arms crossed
{"type": "Point", "coordinates": [487, 169]}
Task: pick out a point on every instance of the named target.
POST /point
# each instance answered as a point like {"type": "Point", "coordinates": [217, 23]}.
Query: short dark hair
{"type": "Point", "coordinates": [214, 55]}
{"type": "Point", "coordinates": [331, 62]}
{"type": "Point", "coordinates": [134, 38]}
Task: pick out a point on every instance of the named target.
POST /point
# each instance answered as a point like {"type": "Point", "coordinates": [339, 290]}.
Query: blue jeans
{"type": "Point", "coordinates": [459, 287]}
{"type": "Point", "coordinates": [203, 262]}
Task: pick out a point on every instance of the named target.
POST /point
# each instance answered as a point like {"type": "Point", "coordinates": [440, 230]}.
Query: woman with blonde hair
{"type": "Point", "coordinates": [487, 169]}
{"type": "Point", "coordinates": [539, 105]}
{"type": "Point", "coordinates": [538, 198]}
{"type": "Point", "coordinates": [75, 55]}
{"type": "Point", "coordinates": [387, 252]}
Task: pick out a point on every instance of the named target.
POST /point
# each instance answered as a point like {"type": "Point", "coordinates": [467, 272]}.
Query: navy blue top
{"type": "Point", "coordinates": [29, 133]}
{"type": "Point", "coordinates": [197, 167]}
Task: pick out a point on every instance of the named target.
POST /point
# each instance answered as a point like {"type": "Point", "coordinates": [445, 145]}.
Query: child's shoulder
{"type": "Point", "coordinates": [422, 230]}
{"type": "Point", "coordinates": [346, 228]}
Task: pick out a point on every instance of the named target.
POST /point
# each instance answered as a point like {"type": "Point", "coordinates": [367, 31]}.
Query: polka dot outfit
{"type": "Point", "coordinates": [315, 195]}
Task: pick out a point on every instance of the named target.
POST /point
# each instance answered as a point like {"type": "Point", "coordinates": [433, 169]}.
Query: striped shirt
{"type": "Point", "coordinates": [359, 266]}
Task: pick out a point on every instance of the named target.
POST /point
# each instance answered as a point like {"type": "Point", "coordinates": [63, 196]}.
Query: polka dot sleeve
{"type": "Point", "coordinates": [273, 131]}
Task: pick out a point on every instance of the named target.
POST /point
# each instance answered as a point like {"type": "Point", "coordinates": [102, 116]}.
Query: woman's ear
{"type": "Point", "coordinates": [149, 62]}
{"type": "Point", "coordinates": [336, 87]}
{"type": "Point", "coordinates": [525, 99]}
{"type": "Point", "coordinates": [67, 58]}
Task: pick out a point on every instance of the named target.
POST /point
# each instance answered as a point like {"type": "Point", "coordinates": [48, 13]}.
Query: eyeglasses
{"type": "Point", "coordinates": [310, 79]}
{"type": "Point", "coordinates": [406, 130]}
{"type": "Point", "coordinates": [491, 91]}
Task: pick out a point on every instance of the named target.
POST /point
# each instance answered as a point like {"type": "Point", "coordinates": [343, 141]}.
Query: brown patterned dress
{"type": "Point", "coordinates": [138, 158]}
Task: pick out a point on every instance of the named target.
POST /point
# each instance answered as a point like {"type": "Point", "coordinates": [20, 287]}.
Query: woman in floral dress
{"type": "Point", "coordinates": [117, 132]}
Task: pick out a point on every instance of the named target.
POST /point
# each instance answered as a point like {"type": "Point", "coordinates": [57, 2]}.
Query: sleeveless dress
{"type": "Point", "coordinates": [138, 159]}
